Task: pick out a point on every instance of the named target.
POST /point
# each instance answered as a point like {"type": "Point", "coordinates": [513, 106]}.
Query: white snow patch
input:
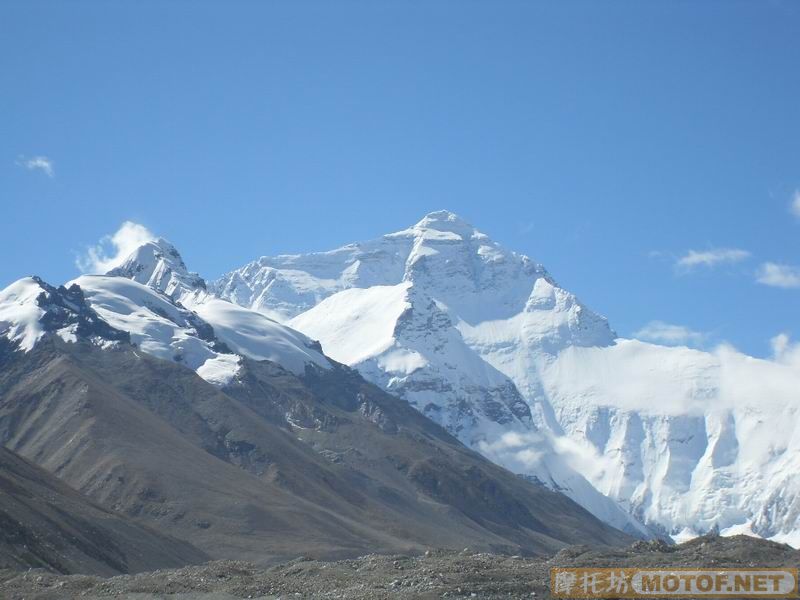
{"type": "Point", "coordinates": [791, 538]}
{"type": "Point", "coordinates": [19, 313]}
{"type": "Point", "coordinates": [220, 370]}
{"type": "Point", "coordinates": [686, 534]}
{"type": "Point", "coordinates": [68, 334]}
{"type": "Point", "coordinates": [255, 335]}
{"type": "Point", "coordinates": [401, 361]}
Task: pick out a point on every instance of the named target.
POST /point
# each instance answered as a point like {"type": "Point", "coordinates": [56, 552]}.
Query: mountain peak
{"type": "Point", "coordinates": [31, 308]}
{"type": "Point", "coordinates": [446, 222]}
{"type": "Point", "coordinates": [159, 265]}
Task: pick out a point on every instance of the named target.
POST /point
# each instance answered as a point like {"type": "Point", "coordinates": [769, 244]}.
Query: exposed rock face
{"type": "Point", "coordinates": [66, 310]}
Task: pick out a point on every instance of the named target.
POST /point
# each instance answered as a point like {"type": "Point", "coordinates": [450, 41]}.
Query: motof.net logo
{"type": "Point", "coordinates": [673, 583]}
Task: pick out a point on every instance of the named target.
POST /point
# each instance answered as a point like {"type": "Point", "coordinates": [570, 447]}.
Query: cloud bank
{"type": "Point", "coordinates": [112, 249]}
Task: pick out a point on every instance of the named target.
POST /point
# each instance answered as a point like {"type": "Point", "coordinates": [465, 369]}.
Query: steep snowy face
{"type": "Point", "coordinates": [31, 308]}
{"type": "Point", "coordinates": [158, 264]}
{"type": "Point", "coordinates": [685, 439]}
{"type": "Point", "coordinates": [405, 340]}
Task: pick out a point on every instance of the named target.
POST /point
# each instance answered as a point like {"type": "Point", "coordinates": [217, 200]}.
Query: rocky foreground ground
{"type": "Point", "coordinates": [437, 574]}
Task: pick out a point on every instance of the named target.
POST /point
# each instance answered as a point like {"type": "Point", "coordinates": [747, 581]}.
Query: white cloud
{"type": "Point", "coordinates": [762, 383]}
{"type": "Point", "coordinates": [785, 351]}
{"type": "Point", "coordinates": [777, 275]}
{"type": "Point", "coordinates": [517, 451]}
{"type": "Point", "coordinates": [794, 207]}
{"type": "Point", "coordinates": [112, 249]}
{"type": "Point", "coordinates": [37, 163]}
{"type": "Point", "coordinates": [670, 335]}
{"type": "Point", "coordinates": [711, 257]}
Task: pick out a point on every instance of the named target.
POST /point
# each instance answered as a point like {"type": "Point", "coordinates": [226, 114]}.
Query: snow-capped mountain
{"type": "Point", "coordinates": [153, 301]}
{"type": "Point", "coordinates": [391, 309]}
{"type": "Point", "coordinates": [31, 308]}
{"type": "Point", "coordinates": [170, 314]}
{"type": "Point", "coordinates": [485, 342]}
{"type": "Point", "coordinates": [274, 450]}
{"type": "Point", "coordinates": [158, 264]}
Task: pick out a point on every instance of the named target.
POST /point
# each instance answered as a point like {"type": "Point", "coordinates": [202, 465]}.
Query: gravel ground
{"type": "Point", "coordinates": [437, 574]}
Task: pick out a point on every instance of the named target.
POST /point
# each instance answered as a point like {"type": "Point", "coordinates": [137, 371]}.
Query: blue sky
{"type": "Point", "coordinates": [607, 140]}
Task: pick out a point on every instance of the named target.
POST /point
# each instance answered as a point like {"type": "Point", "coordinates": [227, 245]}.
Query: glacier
{"type": "Point", "coordinates": [484, 341]}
